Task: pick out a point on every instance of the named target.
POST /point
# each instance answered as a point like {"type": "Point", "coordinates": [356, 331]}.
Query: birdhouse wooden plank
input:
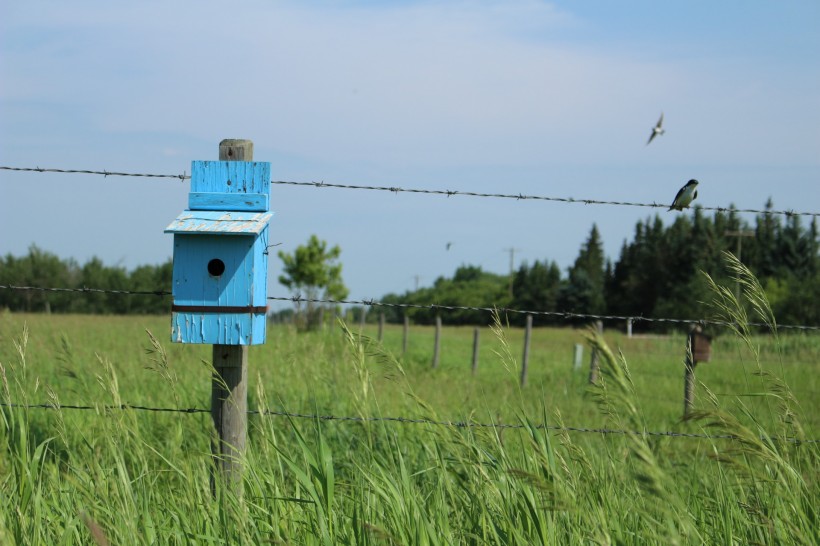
{"type": "Point", "coordinates": [220, 255]}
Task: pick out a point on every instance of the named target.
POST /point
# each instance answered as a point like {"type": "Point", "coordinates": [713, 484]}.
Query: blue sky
{"type": "Point", "coordinates": [546, 98]}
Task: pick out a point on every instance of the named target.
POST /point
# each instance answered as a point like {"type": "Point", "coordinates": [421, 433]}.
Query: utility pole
{"type": "Point", "coordinates": [740, 234]}
{"type": "Point", "coordinates": [417, 279]}
{"type": "Point", "coordinates": [511, 250]}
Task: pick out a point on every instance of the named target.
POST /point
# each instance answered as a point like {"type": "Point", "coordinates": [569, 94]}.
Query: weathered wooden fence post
{"type": "Point", "coordinates": [406, 334]}
{"type": "Point", "coordinates": [689, 375]}
{"type": "Point", "coordinates": [698, 349]}
{"type": "Point", "coordinates": [578, 357]}
{"type": "Point", "coordinates": [475, 349]}
{"type": "Point", "coordinates": [593, 357]}
{"type": "Point", "coordinates": [381, 327]}
{"type": "Point", "coordinates": [629, 327]}
{"type": "Point", "coordinates": [525, 361]}
{"type": "Point", "coordinates": [437, 343]}
{"type": "Point", "coordinates": [224, 230]}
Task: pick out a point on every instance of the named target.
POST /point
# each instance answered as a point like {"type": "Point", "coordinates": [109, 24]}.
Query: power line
{"type": "Point", "coordinates": [404, 420]}
{"type": "Point", "coordinates": [447, 193]}
{"type": "Point", "coordinates": [566, 315]}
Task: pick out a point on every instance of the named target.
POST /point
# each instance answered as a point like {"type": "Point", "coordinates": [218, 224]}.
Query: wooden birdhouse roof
{"type": "Point", "coordinates": [222, 222]}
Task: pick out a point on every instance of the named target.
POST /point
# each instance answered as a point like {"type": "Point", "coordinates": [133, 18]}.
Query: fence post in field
{"type": "Point", "coordinates": [406, 334]}
{"type": "Point", "coordinates": [629, 327]}
{"type": "Point", "coordinates": [224, 230]}
{"type": "Point", "coordinates": [475, 349]}
{"type": "Point", "coordinates": [526, 358]}
{"type": "Point", "coordinates": [689, 376]}
{"type": "Point", "coordinates": [229, 386]}
{"type": "Point", "coordinates": [698, 349]}
{"type": "Point", "coordinates": [578, 356]}
{"type": "Point", "coordinates": [593, 358]}
{"type": "Point", "coordinates": [381, 327]}
{"type": "Point", "coordinates": [437, 343]}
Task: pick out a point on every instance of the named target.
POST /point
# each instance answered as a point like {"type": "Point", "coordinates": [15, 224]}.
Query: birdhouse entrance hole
{"type": "Point", "coordinates": [216, 267]}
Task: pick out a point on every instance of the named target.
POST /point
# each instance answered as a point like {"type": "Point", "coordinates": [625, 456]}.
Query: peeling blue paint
{"type": "Point", "coordinates": [220, 257]}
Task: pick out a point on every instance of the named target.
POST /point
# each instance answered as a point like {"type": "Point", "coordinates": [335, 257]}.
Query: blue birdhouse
{"type": "Point", "coordinates": [220, 255]}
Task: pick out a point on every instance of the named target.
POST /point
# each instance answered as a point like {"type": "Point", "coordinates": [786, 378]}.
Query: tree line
{"type": "Point", "coordinates": [657, 274]}
{"type": "Point", "coordinates": [44, 269]}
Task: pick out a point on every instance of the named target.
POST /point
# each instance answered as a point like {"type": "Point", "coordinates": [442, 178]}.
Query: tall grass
{"type": "Point", "coordinates": [130, 477]}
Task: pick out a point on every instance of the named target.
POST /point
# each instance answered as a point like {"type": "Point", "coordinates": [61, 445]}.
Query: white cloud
{"type": "Point", "coordinates": [451, 82]}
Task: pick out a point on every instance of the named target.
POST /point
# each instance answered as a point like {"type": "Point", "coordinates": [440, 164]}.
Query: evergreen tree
{"type": "Point", "coordinates": [584, 292]}
{"type": "Point", "coordinates": [762, 256]}
{"type": "Point", "coordinates": [536, 288]}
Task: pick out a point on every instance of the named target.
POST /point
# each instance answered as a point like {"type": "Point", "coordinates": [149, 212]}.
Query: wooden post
{"type": "Point", "coordinates": [526, 358]}
{"type": "Point", "coordinates": [381, 327]}
{"type": "Point", "coordinates": [629, 327]}
{"type": "Point", "coordinates": [578, 357]}
{"type": "Point", "coordinates": [406, 334]}
{"type": "Point", "coordinates": [475, 350]}
{"type": "Point", "coordinates": [437, 343]}
{"type": "Point", "coordinates": [593, 359]}
{"type": "Point", "coordinates": [229, 387]}
{"type": "Point", "coordinates": [689, 373]}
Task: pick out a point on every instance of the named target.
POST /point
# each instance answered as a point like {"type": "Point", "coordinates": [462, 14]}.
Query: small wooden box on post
{"type": "Point", "coordinates": [699, 349]}
{"type": "Point", "coordinates": [219, 289]}
{"type": "Point", "coordinates": [701, 345]}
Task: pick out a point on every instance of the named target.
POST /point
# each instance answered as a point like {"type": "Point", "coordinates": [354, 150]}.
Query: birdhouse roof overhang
{"type": "Point", "coordinates": [221, 222]}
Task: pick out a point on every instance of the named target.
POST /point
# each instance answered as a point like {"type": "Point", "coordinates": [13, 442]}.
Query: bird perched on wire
{"type": "Point", "coordinates": [685, 195]}
{"type": "Point", "coordinates": [656, 130]}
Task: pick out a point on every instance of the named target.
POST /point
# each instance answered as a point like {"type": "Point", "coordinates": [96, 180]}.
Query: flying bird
{"type": "Point", "coordinates": [656, 130]}
{"type": "Point", "coordinates": [685, 196]}
{"type": "Point", "coordinates": [449, 245]}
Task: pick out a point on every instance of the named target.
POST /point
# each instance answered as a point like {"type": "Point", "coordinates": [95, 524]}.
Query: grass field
{"type": "Point", "coordinates": [139, 477]}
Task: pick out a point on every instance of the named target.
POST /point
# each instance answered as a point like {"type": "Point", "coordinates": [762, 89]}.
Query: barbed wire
{"type": "Point", "coordinates": [524, 197]}
{"type": "Point", "coordinates": [89, 290]}
{"type": "Point", "coordinates": [182, 176]}
{"type": "Point", "coordinates": [446, 193]}
{"type": "Point", "coordinates": [559, 314]}
{"type": "Point", "coordinates": [566, 315]}
{"type": "Point", "coordinates": [403, 420]}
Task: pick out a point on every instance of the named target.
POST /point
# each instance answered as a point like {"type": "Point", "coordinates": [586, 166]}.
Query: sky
{"type": "Point", "coordinates": [516, 96]}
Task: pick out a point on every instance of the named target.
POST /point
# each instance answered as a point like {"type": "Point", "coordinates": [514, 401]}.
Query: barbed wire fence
{"type": "Point", "coordinates": [297, 299]}
{"type": "Point", "coordinates": [405, 420]}
{"type": "Point", "coordinates": [566, 315]}
{"type": "Point", "coordinates": [438, 192]}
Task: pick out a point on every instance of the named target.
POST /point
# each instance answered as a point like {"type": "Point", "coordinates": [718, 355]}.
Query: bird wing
{"type": "Point", "coordinates": [655, 130]}
{"type": "Point", "coordinates": [679, 195]}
